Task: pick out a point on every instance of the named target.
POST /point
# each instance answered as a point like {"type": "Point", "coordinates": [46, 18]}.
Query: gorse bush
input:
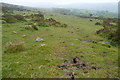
{"type": "Point", "coordinates": [110, 31]}
{"type": "Point", "coordinates": [19, 17]}
{"type": "Point", "coordinates": [13, 18]}
{"type": "Point", "coordinates": [9, 18]}
{"type": "Point", "coordinates": [36, 19]}
{"type": "Point", "coordinates": [43, 24]}
{"type": "Point", "coordinates": [12, 47]}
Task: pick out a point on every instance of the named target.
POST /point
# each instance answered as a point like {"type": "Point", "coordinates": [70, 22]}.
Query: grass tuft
{"type": "Point", "coordinates": [12, 47]}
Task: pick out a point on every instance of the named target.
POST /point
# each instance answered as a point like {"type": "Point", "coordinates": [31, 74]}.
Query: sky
{"type": "Point", "coordinates": [58, 2]}
{"type": "Point", "coordinates": [109, 5]}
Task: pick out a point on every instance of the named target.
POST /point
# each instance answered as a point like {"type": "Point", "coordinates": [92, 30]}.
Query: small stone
{"type": "Point", "coordinates": [42, 44]}
{"type": "Point", "coordinates": [39, 39]}
{"type": "Point", "coordinates": [93, 47]}
{"type": "Point", "coordinates": [106, 43]}
{"type": "Point", "coordinates": [78, 65]}
{"type": "Point", "coordinates": [83, 64]}
{"type": "Point", "coordinates": [62, 66]}
{"type": "Point", "coordinates": [65, 61]}
{"type": "Point", "coordinates": [72, 44]}
{"type": "Point", "coordinates": [104, 52]}
{"type": "Point", "coordinates": [92, 63]}
{"type": "Point", "coordinates": [14, 32]}
{"type": "Point", "coordinates": [76, 39]}
{"type": "Point", "coordinates": [24, 35]}
{"type": "Point", "coordinates": [82, 56]}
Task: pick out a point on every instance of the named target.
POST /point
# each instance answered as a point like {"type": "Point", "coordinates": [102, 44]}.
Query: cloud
{"type": "Point", "coordinates": [57, 1]}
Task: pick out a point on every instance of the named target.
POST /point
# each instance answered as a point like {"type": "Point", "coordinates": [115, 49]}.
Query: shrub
{"type": "Point", "coordinates": [110, 31]}
{"type": "Point", "coordinates": [12, 47]}
{"type": "Point", "coordinates": [3, 21]}
{"type": "Point", "coordinates": [29, 23]}
{"type": "Point", "coordinates": [42, 23]}
{"type": "Point", "coordinates": [37, 19]}
{"type": "Point", "coordinates": [19, 17]}
{"type": "Point", "coordinates": [97, 23]}
{"type": "Point", "coordinates": [64, 25]}
{"type": "Point", "coordinates": [39, 15]}
{"type": "Point", "coordinates": [34, 27]}
{"type": "Point", "coordinates": [9, 18]}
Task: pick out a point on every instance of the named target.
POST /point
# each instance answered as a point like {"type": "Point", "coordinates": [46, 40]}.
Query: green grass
{"type": "Point", "coordinates": [1, 53]}
{"type": "Point", "coordinates": [41, 62]}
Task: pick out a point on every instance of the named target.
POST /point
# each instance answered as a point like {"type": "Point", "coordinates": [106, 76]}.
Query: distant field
{"type": "Point", "coordinates": [78, 39]}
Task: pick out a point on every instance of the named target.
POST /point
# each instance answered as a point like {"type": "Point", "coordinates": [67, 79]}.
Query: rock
{"type": "Point", "coordinates": [72, 32]}
{"type": "Point", "coordinates": [106, 43]}
{"type": "Point", "coordinates": [24, 35]}
{"type": "Point", "coordinates": [92, 63]}
{"type": "Point", "coordinates": [58, 66]}
{"type": "Point", "coordinates": [78, 65]}
{"type": "Point", "coordinates": [65, 61]}
{"type": "Point", "coordinates": [104, 52]}
{"type": "Point", "coordinates": [86, 36]}
{"type": "Point", "coordinates": [82, 56]}
{"type": "Point", "coordinates": [42, 45]}
{"type": "Point", "coordinates": [100, 40]}
{"type": "Point", "coordinates": [14, 32]}
{"type": "Point", "coordinates": [76, 39]}
{"type": "Point", "coordinates": [39, 39]}
{"type": "Point", "coordinates": [72, 44]}
{"type": "Point", "coordinates": [72, 75]}
{"type": "Point", "coordinates": [62, 66]}
{"type": "Point", "coordinates": [93, 47]}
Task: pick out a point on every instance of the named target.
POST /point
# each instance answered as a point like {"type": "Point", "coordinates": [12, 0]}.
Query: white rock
{"type": "Point", "coordinates": [72, 44]}
{"type": "Point", "coordinates": [39, 39]}
{"type": "Point", "coordinates": [76, 39]}
{"type": "Point", "coordinates": [42, 44]}
{"type": "Point", "coordinates": [14, 32]}
{"type": "Point", "coordinates": [24, 35]}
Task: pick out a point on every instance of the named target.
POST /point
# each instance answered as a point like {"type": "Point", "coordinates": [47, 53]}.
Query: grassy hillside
{"type": "Point", "coordinates": [85, 13]}
{"type": "Point", "coordinates": [55, 59]}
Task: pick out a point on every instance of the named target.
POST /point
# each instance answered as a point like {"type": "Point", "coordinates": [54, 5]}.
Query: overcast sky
{"type": "Point", "coordinates": [59, 2]}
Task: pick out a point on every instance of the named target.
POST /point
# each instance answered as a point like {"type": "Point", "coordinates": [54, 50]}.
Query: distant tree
{"type": "Point", "coordinates": [91, 15]}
